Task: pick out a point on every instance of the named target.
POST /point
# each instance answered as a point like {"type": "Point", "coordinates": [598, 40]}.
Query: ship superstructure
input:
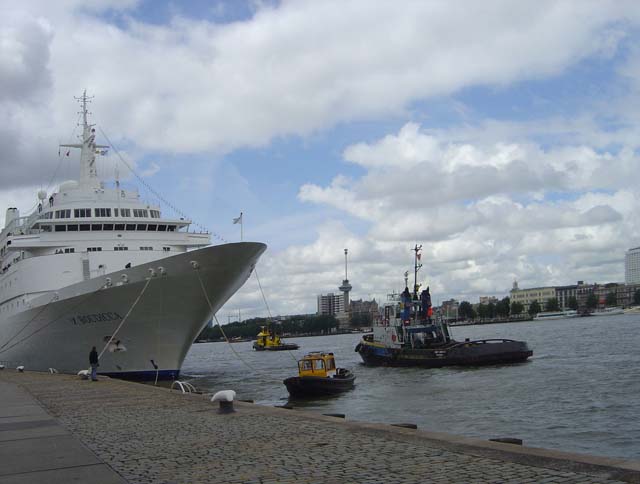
{"type": "Point", "coordinates": [105, 243]}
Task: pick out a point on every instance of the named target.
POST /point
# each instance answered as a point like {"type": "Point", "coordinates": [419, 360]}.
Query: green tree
{"type": "Point", "coordinates": [517, 308]}
{"type": "Point", "coordinates": [483, 311]}
{"type": "Point", "coordinates": [534, 307]}
{"type": "Point", "coordinates": [573, 303]}
{"type": "Point", "coordinates": [465, 310]}
{"type": "Point", "coordinates": [503, 307]}
{"type": "Point", "coordinates": [611, 299]}
{"type": "Point", "coordinates": [636, 297]}
{"type": "Point", "coordinates": [491, 310]}
{"type": "Point", "coordinates": [592, 301]}
{"type": "Point", "coordinates": [552, 305]}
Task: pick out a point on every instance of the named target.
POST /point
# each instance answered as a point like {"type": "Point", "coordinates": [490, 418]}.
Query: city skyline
{"type": "Point", "coordinates": [502, 137]}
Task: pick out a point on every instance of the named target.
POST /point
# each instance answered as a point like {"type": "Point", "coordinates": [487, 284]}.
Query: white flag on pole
{"type": "Point", "coordinates": [238, 220]}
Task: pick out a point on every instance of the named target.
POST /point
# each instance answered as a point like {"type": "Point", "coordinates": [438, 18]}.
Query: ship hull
{"type": "Point", "coordinates": [309, 386]}
{"type": "Point", "coordinates": [167, 307]}
{"type": "Point", "coordinates": [478, 354]}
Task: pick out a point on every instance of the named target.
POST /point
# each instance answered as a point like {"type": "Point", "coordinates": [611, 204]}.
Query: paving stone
{"type": "Point", "coordinates": [152, 435]}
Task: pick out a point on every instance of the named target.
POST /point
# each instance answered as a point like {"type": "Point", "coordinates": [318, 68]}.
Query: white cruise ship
{"type": "Point", "coordinates": [97, 266]}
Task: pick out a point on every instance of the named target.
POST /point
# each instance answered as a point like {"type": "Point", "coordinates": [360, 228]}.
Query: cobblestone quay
{"type": "Point", "coordinates": [151, 435]}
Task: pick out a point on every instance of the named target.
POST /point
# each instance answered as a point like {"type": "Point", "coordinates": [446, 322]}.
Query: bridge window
{"type": "Point", "coordinates": [125, 212]}
{"type": "Point", "coordinates": [155, 213]}
{"type": "Point", "coordinates": [94, 249]}
{"type": "Point", "coordinates": [103, 212]}
{"type": "Point", "coordinates": [119, 227]}
{"type": "Point", "coordinates": [63, 213]}
{"type": "Point", "coordinates": [171, 228]}
{"type": "Point", "coordinates": [61, 228]}
{"type": "Point", "coordinates": [162, 228]}
{"type": "Point", "coordinates": [70, 250]}
{"type": "Point", "coordinates": [72, 228]}
{"type": "Point", "coordinates": [167, 249]}
{"type": "Point", "coordinates": [107, 227]}
{"type": "Point", "coordinates": [95, 227]}
{"type": "Point", "coordinates": [82, 212]}
{"type": "Point", "coordinates": [131, 226]}
{"type": "Point", "coordinates": [121, 248]}
{"type": "Point", "coordinates": [85, 227]}
{"type": "Point", "coordinates": [146, 248]}
{"type": "Point", "coordinates": [141, 227]}
{"type": "Point", "coordinates": [138, 212]}
{"type": "Point", "coordinates": [152, 227]}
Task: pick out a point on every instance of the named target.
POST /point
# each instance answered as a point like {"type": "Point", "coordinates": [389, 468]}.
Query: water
{"type": "Point", "coordinates": [580, 392]}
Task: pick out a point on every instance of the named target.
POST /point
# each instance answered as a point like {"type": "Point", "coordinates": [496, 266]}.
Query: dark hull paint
{"type": "Point", "coordinates": [144, 375]}
{"type": "Point", "coordinates": [288, 346]}
{"type": "Point", "coordinates": [453, 355]}
{"type": "Point", "coordinates": [316, 386]}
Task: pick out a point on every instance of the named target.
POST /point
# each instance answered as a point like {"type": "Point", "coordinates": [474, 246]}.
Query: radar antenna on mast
{"type": "Point", "coordinates": [88, 147]}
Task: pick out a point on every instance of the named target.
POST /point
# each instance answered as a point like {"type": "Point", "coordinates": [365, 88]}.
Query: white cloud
{"type": "Point", "coordinates": [489, 214]}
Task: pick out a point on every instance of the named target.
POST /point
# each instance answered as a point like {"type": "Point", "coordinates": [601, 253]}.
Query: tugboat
{"type": "Point", "coordinates": [318, 375]}
{"type": "Point", "coordinates": [409, 335]}
{"type": "Point", "coordinates": [268, 340]}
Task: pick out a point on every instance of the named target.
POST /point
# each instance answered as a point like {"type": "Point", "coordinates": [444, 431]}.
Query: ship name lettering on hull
{"type": "Point", "coordinates": [80, 320]}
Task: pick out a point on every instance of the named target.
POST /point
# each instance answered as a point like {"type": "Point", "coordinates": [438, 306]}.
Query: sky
{"type": "Point", "coordinates": [501, 136]}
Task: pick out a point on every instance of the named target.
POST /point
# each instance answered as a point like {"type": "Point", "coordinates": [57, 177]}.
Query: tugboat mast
{"type": "Point", "coordinates": [416, 268]}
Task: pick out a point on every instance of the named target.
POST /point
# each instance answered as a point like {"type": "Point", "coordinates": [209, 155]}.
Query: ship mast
{"type": "Point", "coordinates": [88, 147]}
{"type": "Point", "coordinates": [416, 267]}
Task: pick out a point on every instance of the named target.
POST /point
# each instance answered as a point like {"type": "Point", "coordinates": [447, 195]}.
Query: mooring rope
{"type": "Point", "coordinates": [125, 317]}
{"type": "Point", "coordinates": [80, 303]}
{"type": "Point", "coordinates": [204, 291]}
{"type": "Point", "coordinates": [55, 296]}
{"type": "Point", "coordinates": [255, 271]}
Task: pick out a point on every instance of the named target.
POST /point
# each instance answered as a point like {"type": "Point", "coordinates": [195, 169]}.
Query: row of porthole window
{"type": "Point", "coordinates": [99, 249]}
{"type": "Point", "coordinates": [109, 227]}
{"type": "Point", "coordinates": [102, 212]}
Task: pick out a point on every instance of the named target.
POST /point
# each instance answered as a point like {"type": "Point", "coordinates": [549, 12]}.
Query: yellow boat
{"type": "Point", "coordinates": [318, 375]}
{"type": "Point", "coordinates": [268, 340]}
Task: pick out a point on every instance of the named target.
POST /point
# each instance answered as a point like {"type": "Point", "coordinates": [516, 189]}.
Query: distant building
{"type": "Point", "coordinates": [488, 300]}
{"type": "Point", "coordinates": [565, 293]}
{"type": "Point", "coordinates": [338, 304]}
{"type": "Point", "coordinates": [331, 304]}
{"type": "Point", "coordinates": [527, 296]}
{"type": "Point", "coordinates": [632, 266]}
{"type": "Point", "coordinates": [449, 309]}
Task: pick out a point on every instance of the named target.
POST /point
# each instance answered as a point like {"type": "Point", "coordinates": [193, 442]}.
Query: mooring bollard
{"type": "Point", "coordinates": [225, 397]}
{"type": "Point", "coordinates": [20, 368]}
{"type": "Point", "coordinates": [1, 367]}
{"type": "Point", "coordinates": [83, 374]}
{"type": "Point", "coordinates": [507, 440]}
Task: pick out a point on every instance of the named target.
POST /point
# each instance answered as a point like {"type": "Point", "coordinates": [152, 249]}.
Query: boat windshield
{"type": "Point", "coordinates": [306, 365]}
{"type": "Point", "coordinates": [331, 364]}
{"type": "Point", "coordinates": [318, 364]}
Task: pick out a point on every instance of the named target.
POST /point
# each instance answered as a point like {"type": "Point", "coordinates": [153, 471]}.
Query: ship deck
{"type": "Point", "coordinates": [117, 431]}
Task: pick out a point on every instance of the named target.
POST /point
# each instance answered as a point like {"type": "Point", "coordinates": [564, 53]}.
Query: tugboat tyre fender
{"type": "Point", "coordinates": [358, 346]}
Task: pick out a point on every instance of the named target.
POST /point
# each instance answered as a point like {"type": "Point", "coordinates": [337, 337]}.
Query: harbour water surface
{"type": "Point", "coordinates": [580, 392]}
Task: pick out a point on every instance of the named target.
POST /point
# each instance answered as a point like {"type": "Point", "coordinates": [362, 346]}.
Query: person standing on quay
{"type": "Point", "coordinates": [93, 361]}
